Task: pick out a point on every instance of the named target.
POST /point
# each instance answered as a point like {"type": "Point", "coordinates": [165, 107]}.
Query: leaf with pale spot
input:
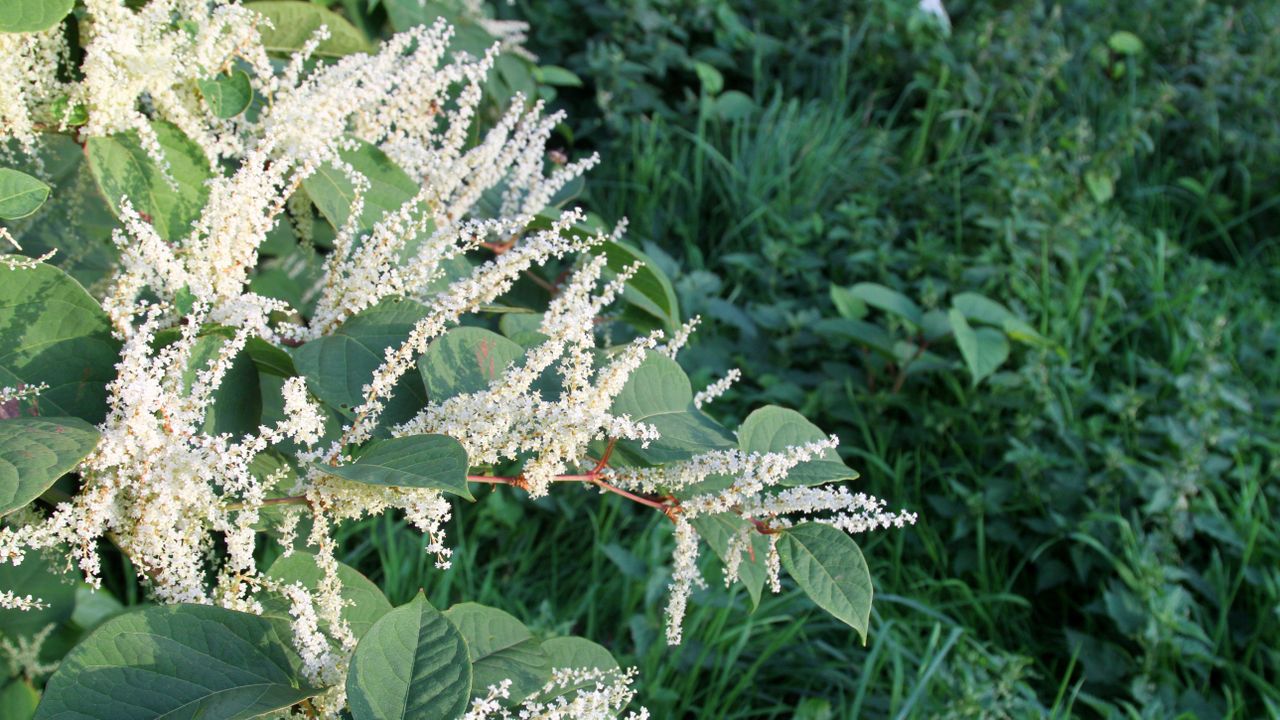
{"type": "Point", "coordinates": [35, 452]}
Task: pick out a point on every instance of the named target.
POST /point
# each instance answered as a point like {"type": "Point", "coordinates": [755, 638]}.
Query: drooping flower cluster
{"type": "Point", "coordinates": [571, 694]}
{"type": "Point", "coordinates": [754, 495]}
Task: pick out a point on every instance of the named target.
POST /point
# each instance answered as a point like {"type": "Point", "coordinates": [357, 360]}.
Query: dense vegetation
{"type": "Point", "coordinates": [1023, 264]}
{"type": "Point", "coordinates": [1097, 530]}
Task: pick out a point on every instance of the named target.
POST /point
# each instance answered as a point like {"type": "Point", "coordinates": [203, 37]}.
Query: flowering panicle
{"type": "Point", "coordinates": [717, 388]}
{"type": "Point", "coordinates": [29, 83]}
{"type": "Point", "coordinates": [136, 58]}
{"type": "Point", "coordinates": [12, 601]}
{"type": "Point", "coordinates": [512, 419]}
{"type": "Point", "coordinates": [681, 337]}
{"type": "Point", "coordinates": [752, 492]}
{"type": "Point", "coordinates": [593, 694]}
{"type": "Point", "coordinates": [22, 655]}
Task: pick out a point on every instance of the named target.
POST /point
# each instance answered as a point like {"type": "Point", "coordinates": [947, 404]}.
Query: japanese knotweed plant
{"type": "Point", "coordinates": [339, 286]}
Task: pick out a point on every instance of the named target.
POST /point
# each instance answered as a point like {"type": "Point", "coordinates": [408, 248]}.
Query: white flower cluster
{"type": "Point", "coordinates": [142, 57]}
{"type": "Point", "coordinates": [139, 63]}
{"type": "Point", "coordinates": [754, 495]}
{"type": "Point", "coordinates": [22, 655]}
{"type": "Point", "coordinates": [12, 601]}
{"type": "Point", "coordinates": [29, 82]}
{"type": "Point", "coordinates": [717, 388]}
{"type": "Point", "coordinates": [157, 483]}
{"type": "Point", "coordinates": [571, 694]}
{"type": "Point", "coordinates": [161, 486]}
{"type": "Point", "coordinates": [512, 418]}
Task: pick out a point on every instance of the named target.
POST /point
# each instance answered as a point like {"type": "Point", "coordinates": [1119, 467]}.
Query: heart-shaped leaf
{"type": "Point", "coordinates": [177, 661]}
{"type": "Point", "coordinates": [364, 603]}
{"type": "Point", "coordinates": [659, 393]}
{"type": "Point", "coordinates": [828, 565]}
{"type": "Point", "coordinates": [294, 23]}
{"type": "Point", "coordinates": [411, 664]}
{"type": "Point", "coordinates": [53, 332]}
{"type": "Point", "coordinates": [465, 360]}
{"type": "Point", "coordinates": [774, 429]}
{"type": "Point", "coordinates": [171, 197]}
{"type": "Point", "coordinates": [500, 648]}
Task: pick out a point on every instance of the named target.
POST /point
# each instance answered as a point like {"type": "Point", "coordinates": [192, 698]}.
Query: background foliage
{"type": "Point", "coordinates": [1093, 188]}
{"type": "Point", "coordinates": [1097, 534]}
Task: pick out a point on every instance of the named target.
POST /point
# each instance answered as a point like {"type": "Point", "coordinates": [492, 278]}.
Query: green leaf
{"type": "Point", "coordinates": [734, 105]}
{"type": "Point", "coordinates": [1024, 333]}
{"type": "Point", "coordinates": [94, 607]}
{"type": "Point", "coordinates": [511, 74]}
{"type": "Point", "coordinates": [405, 14]}
{"type": "Point", "coordinates": [20, 194]}
{"type": "Point", "coordinates": [75, 220]}
{"type": "Point", "coordinates": [35, 452]}
{"type": "Point", "coordinates": [293, 24]}
{"type": "Point", "coordinates": [523, 329]}
{"type": "Point", "coordinates": [890, 301]}
{"type": "Point", "coordinates": [936, 326]}
{"type": "Point", "coordinates": [709, 77]}
{"type": "Point", "coordinates": [228, 95]}
{"type": "Point", "coordinates": [1124, 42]}
{"type": "Point", "coordinates": [828, 565]}
{"type": "Point", "coordinates": [270, 359]}
{"type": "Point", "coordinates": [981, 309]}
{"type": "Point", "coordinates": [849, 305]}
{"type": "Point", "coordinates": [73, 115]}
{"type": "Point", "coordinates": [52, 331]}
{"type": "Point", "coordinates": [649, 290]}
{"type": "Point", "coordinates": [576, 652]}
{"type": "Point", "coordinates": [864, 333]}
{"type": "Point", "coordinates": [1100, 185]}
{"type": "Point", "coordinates": [774, 429]}
{"type": "Point", "coordinates": [500, 648]}
{"type": "Point", "coordinates": [411, 664]}
{"type": "Point", "coordinates": [27, 16]}
{"type": "Point", "coordinates": [364, 603]}
{"type": "Point", "coordinates": [18, 700]}
{"type": "Point", "coordinates": [718, 530]}
{"type": "Point", "coordinates": [421, 461]}
{"type": "Point", "coordinates": [177, 661]}
{"type": "Point", "coordinates": [556, 75]}
{"type": "Point", "coordinates": [465, 360]}
{"type": "Point", "coordinates": [333, 193]}
{"type": "Point", "coordinates": [983, 350]}
{"type": "Point", "coordinates": [338, 366]}
{"type": "Point", "coordinates": [658, 393]}
{"type": "Point", "coordinates": [123, 168]}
